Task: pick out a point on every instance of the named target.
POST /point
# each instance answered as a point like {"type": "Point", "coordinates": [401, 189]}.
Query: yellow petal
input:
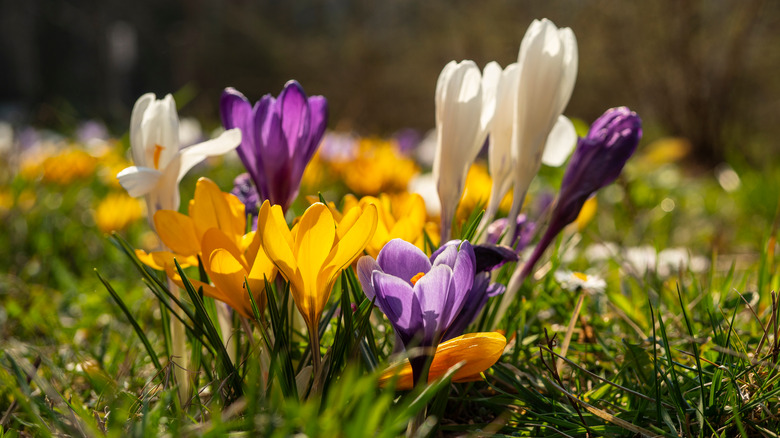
{"type": "Point", "coordinates": [351, 245]}
{"type": "Point", "coordinates": [479, 351]}
{"type": "Point", "coordinates": [214, 239]}
{"type": "Point", "coordinates": [177, 232]}
{"type": "Point", "coordinates": [210, 208]}
{"type": "Point", "coordinates": [587, 213]}
{"type": "Point", "coordinates": [277, 243]}
{"type": "Point", "coordinates": [314, 241]}
{"type": "Point", "coordinates": [228, 275]}
{"type": "Point", "coordinates": [160, 259]}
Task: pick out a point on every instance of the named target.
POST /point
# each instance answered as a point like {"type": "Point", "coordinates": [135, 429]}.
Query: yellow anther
{"type": "Point", "coordinates": [417, 278]}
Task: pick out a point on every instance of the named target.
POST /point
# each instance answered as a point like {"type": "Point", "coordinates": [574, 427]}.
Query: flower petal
{"type": "Point", "coordinates": [228, 275]}
{"type": "Point", "coordinates": [366, 266]}
{"type": "Point", "coordinates": [480, 351]}
{"type": "Point", "coordinates": [560, 142]}
{"type": "Point", "coordinates": [394, 297]}
{"type": "Point", "coordinates": [209, 208]}
{"type": "Point", "coordinates": [138, 181]}
{"type": "Point", "coordinates": [401, 259]}
{"type": "Point", "coordinates": [177, 232]}
{"type": "Point", "coordinates": [192, 155]}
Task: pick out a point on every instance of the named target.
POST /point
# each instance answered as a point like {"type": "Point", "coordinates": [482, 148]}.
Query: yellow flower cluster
{"type": "Point", "coordinates": [377, 168]}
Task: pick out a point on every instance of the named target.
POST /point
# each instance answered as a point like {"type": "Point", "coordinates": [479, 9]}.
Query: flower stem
{"type": "Point", "coordinates": [316, 359]}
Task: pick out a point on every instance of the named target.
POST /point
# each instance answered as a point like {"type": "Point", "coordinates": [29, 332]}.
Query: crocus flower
{"type": "Point", "coordinates": [213, 231]}
{"type": "Point", "coordinates": [461, 126]}
{"type": "Point", "coordinates": [547, 65]}
{"type": "Point", "coordinates": [183, 234]}
{"type": "Point", "coordinates": [312, 256]}
{"type": "Point", "coordinates": [420, 298]}
{"type": "Point", "coordinates": [245, 190]}
{"type": "Point", "coordinates": [160, 161]}
{"type": "Point", "coordinates": [478, 351]}
{"type": "Point", "coordinates": [487, 258]}
{"type": "Point", "coordinates": [597, 161]}
{"type": "Point", "coordinates": [280, 137]}
{"type": "Point", "coordinates": [401, 216]}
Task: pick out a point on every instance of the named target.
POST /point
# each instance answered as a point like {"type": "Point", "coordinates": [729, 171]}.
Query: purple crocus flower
{"type": "Point", "coordinates": [488, 257]}
{"type": "Point", "coordinates": [279, 139]}
{"type": "Point", "coordinates": [597, 161]}
{"type": "Point", "coordinates": [420, 297]}
{"type": "Point", "coordinates": [245, 191]}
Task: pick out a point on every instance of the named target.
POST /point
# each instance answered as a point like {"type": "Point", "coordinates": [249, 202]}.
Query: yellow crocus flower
{"type": "Point", "coordinates": [479, 351]}
{"type": "Point", "coordinates": [116, 212]}
{"type": "Point", "coordinates": [209, 208]}
{"type": "Point", "coordinates": [214, 230]}
{"type": "Point", "coordinates": [314, 253]}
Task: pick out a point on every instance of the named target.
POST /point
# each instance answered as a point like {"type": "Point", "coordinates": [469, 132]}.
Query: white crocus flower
{"type": "Point", "coordinates": [160, 162]}
{"type": "Point", "coordinates": [501, 131]}
{"type": "Point", "coordinates": [547, 65]}
{"type": "Point", "coordinates": [461, 130]}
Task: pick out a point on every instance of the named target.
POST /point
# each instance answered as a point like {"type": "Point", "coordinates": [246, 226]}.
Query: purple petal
{"type": "Point", "coordinates": [236, 112]}
{"type": "Point", "coordinates": [447, 256]}
{"type": "Point", "coordinates": [397, 301]}
{"type": "Point", "coordinates": [489, 256]}
{"type": "Point", "coordinates": [433, 292]}
{"type": "Point", "coordinates": [365, 269]}
{"type": "Point", "coordinates": [462, 281]}
{"type": "Point", "coordinates": [295, 117]}
{"type": "Point", "coordinates": [318, 111]}
{"type": "Point", "coordinates": [475, 301]}
{"type": "Point", "coordinates": [403, 260]}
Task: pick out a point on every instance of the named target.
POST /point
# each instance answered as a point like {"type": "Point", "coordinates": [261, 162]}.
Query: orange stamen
{"type": "Point", "coordinates": [417, 278]}
{"type": "Point", "coordinates": [157, 151]}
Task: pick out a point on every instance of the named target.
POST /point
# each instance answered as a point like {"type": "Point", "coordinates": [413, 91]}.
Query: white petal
{"type": "Point", "coordinates": [190, 156]}
{"type": "Point", "coordinates": [138, 181]}
{"type": "Point", "coordinates": [136, 136]}
{"type": "Point", "coordinates": [491, 76]}
{"type": "Point", "coordinates": [570, 65]}
{"type": "Point", "coordinates": [560, 142]}
{"type": "Point", "coordinates": [425, 186]}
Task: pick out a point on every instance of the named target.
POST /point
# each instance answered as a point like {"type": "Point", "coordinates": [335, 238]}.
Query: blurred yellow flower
{"type": "Point", "coordinates": [400, 216]}
{"type": "Point", "coordinates": [377, 168]}
{"type": "Point", "coordinates": [117, 211]}
{"type": "Point", "coordinates": [477, 193]}
{"type": "Point", "coordinates": [664, 151]}
{"type": "Point", "coordinates": [69, 165]}
{"type": "Point", "coordinates": [478, 351]}
{"type": "Point", "coordinates": [587, 212]}
{"type": "Point", "coordinates": [6, 200]}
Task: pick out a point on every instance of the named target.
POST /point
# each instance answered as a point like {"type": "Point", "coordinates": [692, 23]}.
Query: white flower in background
{"type": "Point", "coordinates": [160, 161]}
{"type": "Point", "coordinates": [190, 131]}
{"type": "Point", "coordinates": [6, 137]}
{"type": "Point", "coordinates": [461, 127]}
{"type": "Point", "coordinates": [640, 259]}
{"type": "Point", "coordinates": [673, 260]}
{"type": "Point", "coordinates": [599, 252]}
{"type": "Point", "coordinates": [547, 68]}
{"type": "Point", "coordinates": [574, 281]}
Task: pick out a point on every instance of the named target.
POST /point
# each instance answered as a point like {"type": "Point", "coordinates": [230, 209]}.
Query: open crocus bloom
{"type": "Point", "coordinates": [160, 162]}
{"type": "Point", "coordinates": [280, 137]}
{"type": "Point", "coordinates": [420, 298]}
{"type": "Point", "coordinates": [477, 351]}
{"type": "Point", "coordinates": [315, 252]}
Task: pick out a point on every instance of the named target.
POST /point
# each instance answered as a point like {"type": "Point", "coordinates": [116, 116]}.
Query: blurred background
{"type": "Point", "coordinates": [703, 70]}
